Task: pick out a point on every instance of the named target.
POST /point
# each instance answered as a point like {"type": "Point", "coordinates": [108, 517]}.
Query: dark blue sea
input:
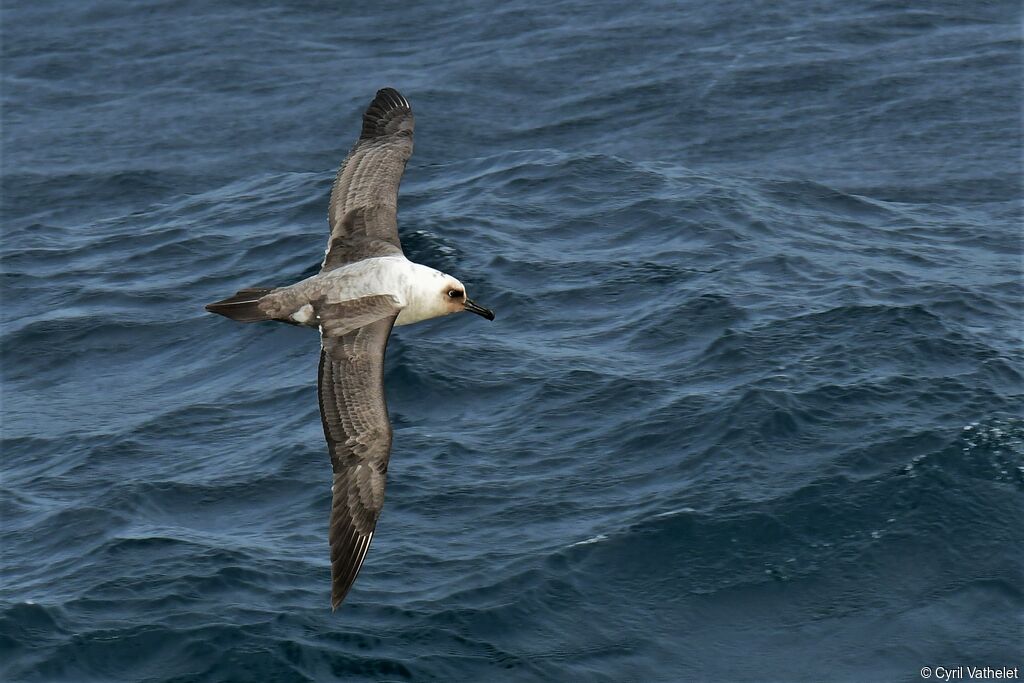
{"type": "Point", "coordinates": [751, 409]}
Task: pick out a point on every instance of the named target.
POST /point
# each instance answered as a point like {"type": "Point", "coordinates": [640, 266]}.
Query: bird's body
{"type": "Point", "coordinates": [413, 286]}
{"type": "Point", "coordinates": [365, 286]}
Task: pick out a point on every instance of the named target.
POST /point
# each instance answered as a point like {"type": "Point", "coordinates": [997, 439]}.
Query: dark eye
{"type": "Point", "coordinates": [454, 293]}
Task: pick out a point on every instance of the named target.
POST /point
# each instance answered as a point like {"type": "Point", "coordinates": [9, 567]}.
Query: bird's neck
{"type": "Point", "coordinates": [423, 294]}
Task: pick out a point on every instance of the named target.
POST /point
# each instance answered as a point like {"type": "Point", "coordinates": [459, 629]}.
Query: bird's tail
{"type": "Point", "coordinates": [243, 307]}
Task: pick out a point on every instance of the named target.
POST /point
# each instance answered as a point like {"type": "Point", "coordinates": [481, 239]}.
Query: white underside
{"type": "Point", "coordinates": [419, 289]}
{"type": "Point", "coordinates": [304, 314]}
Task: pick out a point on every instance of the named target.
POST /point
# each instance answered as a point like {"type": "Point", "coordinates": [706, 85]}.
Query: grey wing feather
{"type": "Point", "coordinates": [339, 319]}
{"type": "Point", "coordinates": [358, 432]}
{"type": "Point", "coordinates": [368, 180]}
{"type": "Point", "coordinates": [365, 232]}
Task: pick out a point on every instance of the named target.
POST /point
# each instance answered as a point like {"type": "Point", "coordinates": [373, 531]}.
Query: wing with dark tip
{"type": "Point", "coordinates": [358, 432]}
{"type": "Point", "coordinates": [363, 213]}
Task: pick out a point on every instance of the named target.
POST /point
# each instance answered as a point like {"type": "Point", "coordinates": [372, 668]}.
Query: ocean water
{"type": "Point", "coordinates": [750, 410]}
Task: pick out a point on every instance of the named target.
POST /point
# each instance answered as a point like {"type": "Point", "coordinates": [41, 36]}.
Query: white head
{"type": "Point", "coordinates": [435, 294]}
{"type": "Point", "coordinates": [455, 299]}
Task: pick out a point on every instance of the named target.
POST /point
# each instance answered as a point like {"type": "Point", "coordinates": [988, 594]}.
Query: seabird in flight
{"type": "Point", "coordinates": [365, 286]}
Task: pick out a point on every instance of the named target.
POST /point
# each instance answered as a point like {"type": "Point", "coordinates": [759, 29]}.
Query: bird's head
{"type": "Point", "coordinates": [454, 299]}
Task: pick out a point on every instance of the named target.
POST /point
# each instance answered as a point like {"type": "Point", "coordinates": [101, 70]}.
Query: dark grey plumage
{"type": "Point", "coordinates": [244, 306]}
{"type": "Point", "coordinates": [363, 219]}
{"type": "Point", "coordinates": [358, 432]}
{"type": "Point", "coordinates": [363, 212]}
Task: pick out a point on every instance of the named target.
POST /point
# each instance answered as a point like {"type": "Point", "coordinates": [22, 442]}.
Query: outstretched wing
{"type": "Point", "coordinates": [363, 213]}
{"type": "Point", "coordinates": [358, 432]}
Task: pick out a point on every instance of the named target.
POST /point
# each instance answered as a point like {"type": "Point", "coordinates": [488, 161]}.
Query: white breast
{"type": "Point", "coordinates": [423, 295]}
{"type": "Point", "coordinates": [418, 287]}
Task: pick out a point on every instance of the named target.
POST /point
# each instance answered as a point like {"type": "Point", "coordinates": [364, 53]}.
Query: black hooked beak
{"type": "Point", "coordinates": [479, 310]}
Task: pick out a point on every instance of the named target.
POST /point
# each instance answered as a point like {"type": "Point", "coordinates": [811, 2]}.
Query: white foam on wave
{"type": "Point", "coordinates": [673, 513]}
{"type": "Point", "coordinates": [595, 539]}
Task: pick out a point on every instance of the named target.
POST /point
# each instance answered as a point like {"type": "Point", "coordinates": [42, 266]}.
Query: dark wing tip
{"type": "Point", "coordinates": [393, 98]}
{"type": "Point", "coordinates": [389, 113]}
{"type": "Point", "coordinates": [345, 565]}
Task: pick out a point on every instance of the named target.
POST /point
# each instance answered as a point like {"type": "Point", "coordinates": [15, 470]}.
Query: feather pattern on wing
{"type": "Point", "coordinates": [358, 432]}
{"type": "Point", "coordinates": [363, 211]}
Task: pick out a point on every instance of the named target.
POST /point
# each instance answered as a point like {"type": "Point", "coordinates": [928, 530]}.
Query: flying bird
{"type": "Point", "coordinates": [365, 286]}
